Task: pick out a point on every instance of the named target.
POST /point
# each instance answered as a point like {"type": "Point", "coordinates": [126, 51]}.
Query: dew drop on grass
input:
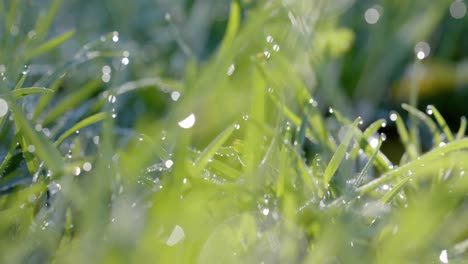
{"type": "Point", "coordinates": [269, 39]}
{"type": "Point", "coordinates": [422, 50]}
{"type": "Point", "coordinates": [31, 148]}
{"type": "Point", "coordinates": [38, 127]}
{"type": "Point", "coordinates": [313, 102]}
{"type": "Point", "coordinates": [231, 69]}
{"type": "Point", "coordinates": [168, 164]}
{"type": "Point", "coordinates": [3, 107]}
{"type": "Point", "coordinates": [458, 9]}
{"type": "Point", "coordinates": [429, 110]}
{"type": "Point", "coordinates": [125, 61]}
{"type": "Point", "coordinates": [175, 95]}
{"type": "Point", "coordinates": [383, 136]}
{"type": "Point", "coordinates": [330, 110]}
{"type": "Point", "coordinates": [267, 54]}
{"type": "Point", "coordinates": [237, 126]}
{"type": "Point", "coordinates": [393, 116]}
{"type": "Point", "coordinates": [188, 122]}
{"type": "Point", "coordinates": [176, 236]}
{"type": "Point", "coordinates": [270, 90]}
{"type": "Point", "coordinates": [96, 140]}
{"type": "Point", "coordinates": [266, 211]}
{"type": "Point", "coordinates": [111, 99]}
{"type": "Point", "coordinates": [276, 47]}
{"type": "Point", "coordinates": [245, 117]}
{"type": "Point", "coordinates": [54, 188]}
{"type": "Point", "coordinates": [384, 124]}
{"type": "Point", "coordinates": [87, 166]}
{"type": "Point", "coordinates": [443, 257]}
{"type": "Point", "coordinates": [76, 171]}
{"type": "Point", "coordinates": [25, 69]}
{"type": "Point", "coordinates": [372, 15]}
{"type": "Point", "coordinates": [115, 36]}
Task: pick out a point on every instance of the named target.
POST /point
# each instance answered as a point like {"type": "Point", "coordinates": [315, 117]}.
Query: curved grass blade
{"type": "Point", "coordinates": [45, 20]}
{"type": "Point", "coordinates": [232, 26]}
{"type": "Point", "coordinates": [340, 152]}
{"type": "Point", "coordinates": [44, 100]}
{"type": "Point", "coordinates": [440, 119]}
{"type": "Point", "coordinates": [369, 163]}
{"type": "Point", "coordinates": [405, 137]}
{"type": "Point", "coordinates": [83, 123]}
{"type": "Point", "coordinates": [462, 129]}
{"type": "Point", "coordinates": [369, 132]}
{"type": "Point", "coordinates": [49, 45]}
{"type": "Point", "coordinates": [18, 93]}
{"type": "Point", "coordinates": [424, 118]}
{"type": "Point", "coordinates": [9, 155]}
{"type": "Point", "coordinates": [211, 149]}
{"type": "Point", "coordinates": [394, 191]}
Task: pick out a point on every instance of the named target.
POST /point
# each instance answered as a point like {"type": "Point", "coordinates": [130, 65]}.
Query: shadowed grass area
{"type": "Point", "coordinates": [269, 150]}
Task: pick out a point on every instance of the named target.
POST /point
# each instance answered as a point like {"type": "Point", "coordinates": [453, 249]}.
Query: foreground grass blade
{"type": "Point", "coordinates": [83, 123]}
{"type": "Point", "coordinates": [428, 121]}
{"type": "Point", "coordinates": [369, 163]}
{"type": "Point", "coordinates": [462, 129]}
{"type": "Point", "coordinates": [232, 26]}
{"type": "Point", "coordinates": [404, 136]}
{"type": "Point", "coordinates": [339, 153]}
{"type": "Point", "coordinates": [211, 149]}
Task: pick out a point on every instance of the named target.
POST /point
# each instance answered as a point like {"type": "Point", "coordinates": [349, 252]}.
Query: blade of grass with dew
{"type": "Point", "coordinates": [394, 191]}
{"type": "Point", "coordinates": [210, 150]}
{"type": "Point", "coordinates": [72, 100]}
{"type": "Point", "coordinates": [382, 163]}
{"type": "Point", "coordinates": [43, 147]}
{"type": "Point", "coordinates": [31, 161]}
{"type": "Point", "coordinates": [430, 158]}
{"type": "Point", "coordinates": [9, 155]}
{"type": "Point", "coordinates": [49, 45]}
{"type": "Point", "coordinates": [405, 137]}
{"type": "Point", "coordinates": [340, 153]}
{"type": "Point", "coordinates": [425, 119]}
{"type": "Point", "coordinates": [462, 129]}
{"type": "Point", "coordinates": [368, 164]}
{"type": "Point", "coordinates": [441, 121]}
{"type": "Point", "coordinates": [22, 92]}
{"type": "Point", "coordinates": [225, 171]}
{"type": "Point", "coordinates": [83, 123]}
{"type": "Point", "coordinates": [367, 134]}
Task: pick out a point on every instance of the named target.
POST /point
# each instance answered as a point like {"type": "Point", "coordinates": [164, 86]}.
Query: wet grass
{"type": "Point", "coordinates": [242, 161]}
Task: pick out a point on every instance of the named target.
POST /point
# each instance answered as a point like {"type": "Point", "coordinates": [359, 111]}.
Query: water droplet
{"type": "Point", "coordinates": [115, 36]}
{"type": "Point", "coordinates": [374, 142]}
{"type": "Point", "coordinates": [384, 124]}
{"type": "Point", "coordinates": [265, 211]}
{"type": "Point", "coordinates": [270, 90]}
{"type": "Point", "coordinates": [125, 61]}
{"type": "Point", "coordinates": [168, 164]}
{"type": "Point", "coordinates": [236, 126]}
{"type": "Point", "coordinates": [163, 135]}
{"type": "Point", "coordinates": [231, 69]}
{"type": "Point", "coordinates": [168, 17]}
{"type": "Point", "coordinates": [269, 39]}
{"type": "Point", "coordinates": [443, 257]}
{"type": "Point", "coordinates": [330, 110]}
{"type": "Point", "coordinates": [38, 127]}
{"type": "Point", "coordinates": [276, 47]}
{"type": "Point", "coordinates": [106, 70]}
{"type": "Point", "coordinates": [77, 132]}
{"type": "Point", "coordinates": [31, 148]}
{"type": "Point", "coordinates": [176, 236]}
{"type": "Point", "coordinates": [422, 50]}
{"type": "Point", "coordinates": [442, 144]}
{"type": "Point", "coordinates": [188, 122]}
{"type": "Point", "coordinates": [54, 188]}
{"type": "Point", "coordinates": [360, 121]}
{"type": "Point", "coordinates": [383, 137]}
{"type": "Point", "coordinates": [313, 102]}
{"type": "Point", "coordinates": [87, 166]}
{"type": "Point", "coordinates": [96, 140]}
{"type": "Point", "coordinates": [393, 116]}
{"type": "Point", "coordinates": [458, 9]}
{"type": "Point", "coordinates": [267, 54]}
{"type": "Point", "coordinates": [245, 117]}
{"type": "Point", "coordinates": [76, 171]}
{"type": "Point", "coordinates": [429, 110]}
{"type": "Point", "coordinates": [372, 15]}
{"type": "Point", "coordinates": [111, 99]}
{"type": "Point", "coordinates": [25, 69]}
{"type": "Point", "coordinates": [3, 107]}
{"type": "Point", "coordinates": [175, 95]}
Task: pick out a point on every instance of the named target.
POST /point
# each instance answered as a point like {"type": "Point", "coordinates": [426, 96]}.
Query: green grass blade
{"type": "Point", "coordinates": [340, 153]}
{"type": "Point", "coordinates": [49, 45]}
{"type": "Point", "coordinates": [404, 136]}
{"type": "Point", "coordinates": [394, 191]}
{"type": "Point", "coordinates": [18, 93]}
{"type": "Point", "coordinates": [45, 20]}
{"type": "Point", "coordinates": [83, 123]}
{"type": "Point", "coordinates": [462, 129]}
{"type": "Point", "coordinates": [425, 119]}
{"type": "Point", "coordinates": [9, 155]}
{"type": "Point", "coordinates": [442, 124]}
{"type": "Point", "coordinates": [45, 100]}
{"type": "Point", "coordinates": [232, 26]}
{"type": "Point", "coordinates": [367, 134]}
{"type": "Point", "coordinates": [211, 149]}
{"type": "Point", "coordinates": [72, 100]}
{"type": "Point", "coordinates": [43, 147]}
{"type": "Point", "coordinates": [368, 164]}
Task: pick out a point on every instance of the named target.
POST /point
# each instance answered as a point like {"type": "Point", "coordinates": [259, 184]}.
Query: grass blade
{"type": "Point", "coordinates": [432, 109]}
{"type": "Point", "coordinates": [424, 118]}
{"type": "Point", "coordinates": [18, 93]}
{"type": "Point", "coordinates": [404, 136]}
{"type": "Point", "coordinates": [232, 26]}
{"type": "Point", "coordinates": [83, 123]}
{"type": "Point", "coordinates": [369, 163]}
{"type": "Point", "coordinates": [462, 129]}
{"type": "Point", "coordinates": [49, 45]}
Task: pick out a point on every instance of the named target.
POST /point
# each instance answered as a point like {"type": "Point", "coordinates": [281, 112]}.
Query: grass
{"type": "Point", "coordinates": [233, 159]}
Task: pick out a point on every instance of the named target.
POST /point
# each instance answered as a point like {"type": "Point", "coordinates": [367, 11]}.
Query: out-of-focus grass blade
{"type": "Point", "coordinates": [340, 152]}
{"type": "Point", "coordinates": [440, 119]}
{"type": "Point", "coordinates": [462, 129]}
{"type": "Point", "coordinates": [369, 132]}
{"type": "Point", "coordinates": [31, 161]}
{"type": "Point", "coordinates": [45, 20]}
{"type": "Point", "coordinates": [211, 149]}
{"type": "Point", "coordinates": [426, 119]}
{"type": "Point", "coordinates": [18, 93]}
{"type": "Point", "coordinates": [42, 146]}
{"type": "Point", "coordinates": [49, 45]}
{"type": "Point", "coordinates": [394, 191]}
{"type": "Point", "coordinates": [44, 100]}
{"type": "Point", "coordinates": [9, 155]}
{"type": "Point", "coordinates": [83, 123]}
{"type": "Point", "coordinates": [405, 137]}
{"type": "Point", "coordinates": [225, 171]}
{"type": "Point", "coordinates": [71, 101]}
{"type": "Point", "coordinates": [232, 26]}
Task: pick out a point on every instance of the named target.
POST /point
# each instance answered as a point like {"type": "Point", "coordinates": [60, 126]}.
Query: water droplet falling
{"type": "Point", "coordinates": [187, 122]}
